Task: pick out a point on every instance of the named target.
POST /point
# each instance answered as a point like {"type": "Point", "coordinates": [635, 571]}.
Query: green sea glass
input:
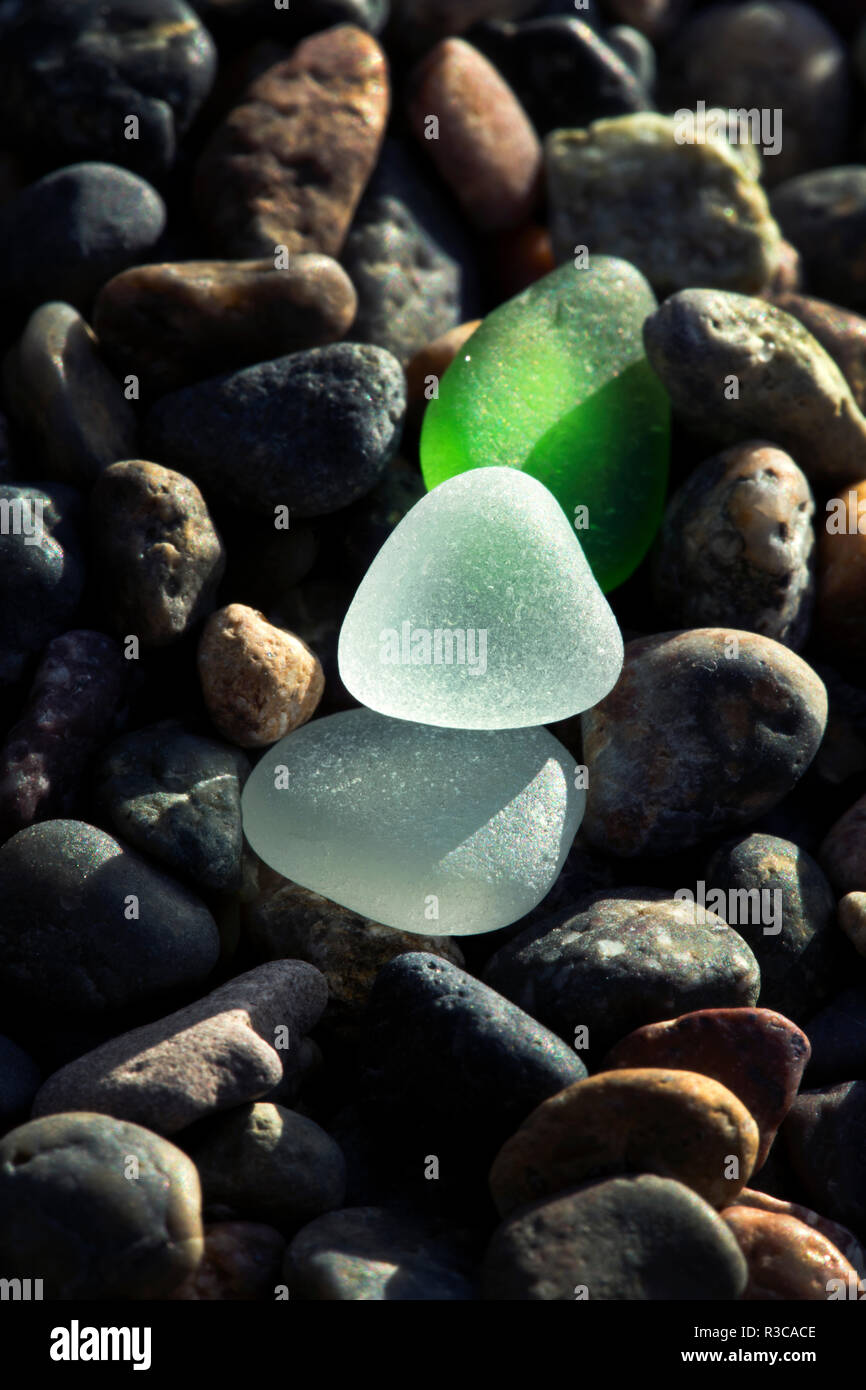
{"type": "Point", "coordinates": [555, 382]}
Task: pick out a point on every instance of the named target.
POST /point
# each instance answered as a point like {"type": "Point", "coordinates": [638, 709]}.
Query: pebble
{"type": "Point", "coordinates": [41, 571]}
{"type": "Point", "coordinates": [219, 1052]}
{"type": "Point", "coordinates": [90, 927]}
{"type": "Point", "coordinates": [840, 1236]}
{"type": "Point", "coordinates": [684, 214]}
{"type": "Point", "coordinates": [288, 165]}
{"type": "Point", "coordinates": [757, 1054]}
{"type": "Point", "coordinates": [71, 75]}
{"type": "Point", "coordinates": [157, 553]}
{"type": "Point", "coordinates": [637, 53]}
{"type": "Point", "coordinates": [653, 18]}
{"type": "Point", "coordinates": [172, 325]}
{"type": "Point", "coordinates": [794, 935]}
{"type": "Point", "coordinates": [483, 143]}
{"type": "Point", "coordinates": [620, 959]}
{"type": "Point", "coordinates": [75, 696]}
{"type": "Point", "coordinates": [840, 612]}
{"type": "Point", "coordinates": [70, 1216]}
{"type": "Point", "coordinates": [374, 1254]}
{"type": "Point", "coordinates": [373, 519]}
{"type": "Point", "coordinates": [843, 750]}
{"type": "Point", "coordinates": [66, 401]}
{"type": "Point", "coordinates": [20, 1079]}
{"type": "Point", "coordinates": [824, 1138]}
{"type": "Point", "coordinates": [433, 360]}
{"type": "Point", "coordinates": [840, 332]}
{"type": "Point", "coordinates": [736, 546]}
{"type": "Point", "coordinates": [678, 1124]}
{"type": "Point", "coordinates": [63, 236]}
{"type": "Point", "coordinates": [312, 431]}
{"type": "Point", "coordinates": [264, 563]}
{"type": "Point", "coordinates": [836, 1035]}
{"type": "Point", "coordinates": [241, 1263]}
{"type": "Point", "coordinates": [419, 24]}
{"type": "Point", "coordinates": [783, 59]}
{"type": "Point", "coordinates": [789, 391]}
{"type": "Point", "coordinates": [639, 1239]}
{"type": "Point", "coordinates": [454, 1065]}
{"type": "Point", "coordinates": [824, 214]}
{"type": "Point", "coordinates": [852, 920]}
{"type": "Point", "coordinates": [409, 260]}
{"type": "Point", "coordinates": [843, 852]}
{"type": "Point", "coordinates": [786, 1259]}
{"type": "Point", "coordinates": [270, 1164]}
{"type": "Point", "coordinates": [176, 797]}
{"type": "Point", "coordinates": [562, 71]}
{"type": "Point", "coordinates": [715, 734]}
{"type": "Point", "coordinates": [258, 681]}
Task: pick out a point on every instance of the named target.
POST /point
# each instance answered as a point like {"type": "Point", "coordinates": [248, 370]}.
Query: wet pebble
{"type": "Point", "coordinates": [837, 1235]}
{"type": "Point", "coordinates": [787, 1259]}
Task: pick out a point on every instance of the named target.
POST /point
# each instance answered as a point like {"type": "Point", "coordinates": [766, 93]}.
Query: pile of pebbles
{"type": "Point", "coordinates": [236, 239]}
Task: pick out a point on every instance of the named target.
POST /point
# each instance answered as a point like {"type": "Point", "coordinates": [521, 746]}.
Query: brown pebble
{"type": "Point", "coordinates": [241, 1262]}
{"type": "Point", "coordinates": [176, 324]}
{"type": "Point", "coordinates": [786, 1258]}
{"type": "Point", "coordinates": [788, 277]}
{"type": "Point", "coordinates": [841, 600]}
{"type": "Point", "coordinates": [434, 360]}
{"type": "Point", "coordinates": [843, 1239]}
{"type": "Point", "coordinates": [840, 332]}
{"type": "Point", "coordinates": [259, 681]}
{"type": "Point", "coordinates": [852, 920]}
{"type": "Point", "coordinates": [486, 148]}
{"type": "Point", "coordinates": [677, 1124]}
{"type": "Point", "coordinates": [289, 164]}
{"type": "Point", "coordinates": [843, 854]}
{"type": "Point", "coordinates": [522, 257]}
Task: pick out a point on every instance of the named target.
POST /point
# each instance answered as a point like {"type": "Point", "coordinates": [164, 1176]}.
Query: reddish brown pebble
{"type": "Point", "coordinates": [843, 1239]}
{"type": "Point", "coordinates": [259, 682]}
{"type": "Point", "coordinates": [288, 165]}
{"type": "Point", "coordinates": [842, 856]}
{"type": "Point", "coordinates": [841, 604]}
{"type": "Point", "coordinates": [434, 361]}
{"type": "Point", "coordinates": [786, 1258]}
{"type": "Point", "coordinates": [758, 1054]}
{"type": "Point", "coordinates": [840, 332]}
{"type": "Point", "coordinates": [787, 278]}
{"type": "Point", "coordinates": [241, 1262]}
{"type": "Point", "coordinates": [478, 134]}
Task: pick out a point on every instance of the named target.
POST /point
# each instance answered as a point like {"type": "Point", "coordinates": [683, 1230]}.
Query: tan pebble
{"type": "Point", "coordinates": [852, 920]}
{"type": "Point", "coordinates": [787, 1259]}
{"type": "Point", "coordinates": [434, 360]}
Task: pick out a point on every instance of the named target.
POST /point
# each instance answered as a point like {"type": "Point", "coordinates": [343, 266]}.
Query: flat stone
{"type": "Point", "coordinates": [241, 1263]}
{"type": "Point", "coordinates": [623, 958]}
{"type": "Point", "coordinates": [288, 165]}
{"type": "Point", "coordinates": [843, 853]}
{"type": "Point", "coordinates": [683, 213]}
{"type": "Point", "coordinates": [640, 1238]}
{"type": "Point", "coordinates": [258, 681]}
{"type": "Point", "coordinates": [841, 558]}
{"type": "Point", "coordinates": [68, 940]}
{"type": "Point", "coordinates": [484, 146]}
{"type": "Point", "coordinates": [824, 1138]}
{"type": "Point", "coordinates": [175, 324]}
{"type": "Point", "coordinates": [176, 797]}
{"type": "Point", "coordinates": [270, 1164]}
{"type": "Point", "coordinates": [786, 1258]}
{"type": "Point", "coordinates": [840, 332]}
{"type": "Point", "coordinates": [116, 1239]}
{"type": "Point", "coordinates": [678, 1124]}
{"type": "Point", "coordinates": [312, 431]}
{"type": "Point", "coordinates": [41, 570]}
{"type": "Point", "coordinates": [789, 390]}
{"type": "Point", "coordinates": [714, 740]}
{"type": "Point", "coordinates": [736, 546]}
{"type": "Point", "coordinates": [840, 1236]}
{"type": "Point", "coordinates": [217, 1053]}
{"type": "Point", "coordinates": [823, 213]}
{"type": "Point", "coordinates": [158, 554]}
{"type": "Point", "coordinates": [60, 393]}
{"type": "Point", "coordinates": [758, 1055]}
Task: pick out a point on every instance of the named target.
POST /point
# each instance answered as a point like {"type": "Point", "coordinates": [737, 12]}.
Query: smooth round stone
{"type": "Point", "coordinates": [65, 399]}
{"type": "Point", "coordinates": [69, 1211]}
{"type": "Point", "coordinates": [75, 696]}
{"type": "Point", "coordinates": [678, 1124]}
{"type": "Point", "coordinates": [714, 734]}
{"type": "Point", "coordinates": [683, 213]}
{"type": "Point", "coordinates": [852, 920]}
{"type": "Point", "coordinates": [839, 1236]}
{"type": "Point", "coordinates": [172, 325]}
{"type": "Point", "coordinates": [555, 383]}
{"type": "Point", "coordinates": [67, 941]}
{"type": "Point", "coordinates": [631, 1238]}
{"type": "Point", "coordinates": [176, 797]}
{"type": "Point", "coordinates": [288, 165]}
{"type": "Point", "coordinates": [840, 617]}
{"type": "Point", "coordinates": [736, 546]}
{"type": "Point", "coordinates": [373, 1254]}
{"type": "Point", "coordinates": [823, 213]}
{"type": "Point", "coordinates": [840, 332]}
{"type": "Point", "coordinates": [270, 1164]}
{"type": "Point", "coordinates": [41, 571]}
{"type": "Point", "coordinates": [843, 852]}
{"type": "Point", "coordinates": [212, 1055]}
{"type": "Point", "coordinates": [158, 555]}
{"type": "Point", "coordinates": [790, 391]}
{"type": "Point", "coordinates": [480, 612]}
{"type": "Point", "coordinates": [824, 1138]}
{"type": "Point", "coordinates": [20, 1079]}
{"type": "Point", "coordinates": [797, 944]}
{"type": "Point", "coordinates": [312, 431]}
{"type": "Point", "coordinates": [786, 1259]}
{"type": "Point", "coordinates": [72, 71]}
{"type": "Point", "coordinates": [758, 1055]}
{"type": "Point", "coordinates": [620, 959]}
{"type": "Point", "coordinates": [481, 844]}
{"type": "Point", "coordinates": [65, 235]}
{"type": "Point", "coordinates": [241, 1263]}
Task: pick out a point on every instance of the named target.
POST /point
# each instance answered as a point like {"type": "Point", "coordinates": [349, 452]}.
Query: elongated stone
{"type": "Point", "coordinates": [444, 832]}
{"type": "Point", "coordinates": [480, 612]}
{"type": "Point", "coordinates": [555, 383]}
